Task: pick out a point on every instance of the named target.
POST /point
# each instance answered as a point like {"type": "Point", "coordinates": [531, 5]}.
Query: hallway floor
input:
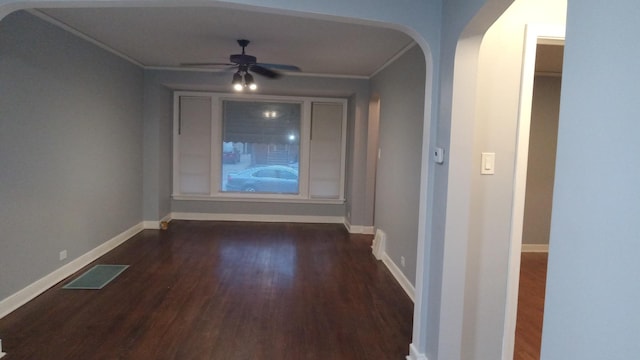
{"type": "Point", "coordinates": [533, 276]}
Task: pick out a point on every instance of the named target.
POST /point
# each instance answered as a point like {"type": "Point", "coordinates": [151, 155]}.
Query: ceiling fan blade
{"type": "Point", "coordinates": [206, 64]}
{"type": "Point", "coordinates": [265, 72]}
{"type": "Point", "coordinates": [283, 67]}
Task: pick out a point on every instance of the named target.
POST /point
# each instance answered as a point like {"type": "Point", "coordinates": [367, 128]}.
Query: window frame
{"type": "Point", "coordinates": [217, 126]}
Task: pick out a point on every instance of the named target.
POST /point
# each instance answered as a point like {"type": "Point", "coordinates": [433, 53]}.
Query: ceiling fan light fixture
{"type": "Point", "coordinates": [237, 82]}
{"type": "Point", "coordinates": [248, 82]}
{"type": "Point", "coordinates": [243, 63]}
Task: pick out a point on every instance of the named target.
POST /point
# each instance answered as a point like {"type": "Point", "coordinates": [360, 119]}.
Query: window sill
{"type": "Point", "coordinates": [234, 198]}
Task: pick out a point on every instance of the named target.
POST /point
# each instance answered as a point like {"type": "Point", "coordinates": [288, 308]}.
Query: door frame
{"type": "Point", "coordinates": [535, 34]}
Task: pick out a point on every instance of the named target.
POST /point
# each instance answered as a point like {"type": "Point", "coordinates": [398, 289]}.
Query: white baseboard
{"type": "Point", "coordinates": [155, 225]}
{"type": "Point", "coordinates": [31, 291]}
{"type": "Point", "coordinates": [151, 225]}
{"type": "Point", "coordinates": [379, 251]}
{"type": "Point", "coordinates": [259, 218]}
{"type": "Point", "coordinates": [353, 229]}
{"type": "Point", "coordinates": [379, 245]}
{"type": "Point", "coordinates": [535, 247]}
{"type": "Point", "coordinates": [1, 353]}
{"type": "Point", "coordinates": [400, 278]}
{"type": "Point", "coordinates": [359, 229]}
{"type": "Point", "coordinates": [414, 354]}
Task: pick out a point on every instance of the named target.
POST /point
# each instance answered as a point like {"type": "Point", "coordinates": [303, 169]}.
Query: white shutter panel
{"type": "Point", "coordinates": [326, 150]}
{"type": "Point", "coordinates": [195, 145]}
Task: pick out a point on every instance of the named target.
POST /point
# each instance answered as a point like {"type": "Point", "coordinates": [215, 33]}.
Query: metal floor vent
{"type": "Point", "coordinates": [97, 277]}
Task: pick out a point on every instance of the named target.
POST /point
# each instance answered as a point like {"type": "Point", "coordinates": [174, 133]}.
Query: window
{"type": "Point", "coordinates": [259, 136]}
{"type": "Point", "coordinates": [259, 147]}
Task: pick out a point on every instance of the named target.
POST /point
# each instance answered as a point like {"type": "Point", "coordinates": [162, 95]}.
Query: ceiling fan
{"type": "Point", "coordinates": [247, 63]}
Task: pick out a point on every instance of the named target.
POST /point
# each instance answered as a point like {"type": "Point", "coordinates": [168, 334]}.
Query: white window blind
{"type": "Point", "coordinates": [325, 171]}
{"type": "Point", "coordinates": [195, 145]}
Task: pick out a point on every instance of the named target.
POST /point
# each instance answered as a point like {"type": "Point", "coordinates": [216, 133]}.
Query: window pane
{"type": "Point", "coordinates": [261, 147]}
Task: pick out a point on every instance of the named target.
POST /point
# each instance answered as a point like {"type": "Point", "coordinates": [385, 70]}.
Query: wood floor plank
{"type": "Point", "coordinates": [533, 274]}
{"type": "Point", "coordinates": [224, 290]}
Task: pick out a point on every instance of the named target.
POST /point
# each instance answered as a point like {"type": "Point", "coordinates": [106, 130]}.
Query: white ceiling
{"type": "Point", "coordinates": [167, 37]}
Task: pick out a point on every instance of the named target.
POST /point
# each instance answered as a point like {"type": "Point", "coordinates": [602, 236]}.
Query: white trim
{"type": "Point", "coordinates": [258, 218]}
{"type": "Point", "coordinates": [394, 58]}
{"type": "Point", "coordinates": [534, 32]}
{"type": "Point", "coordinates": [359, 229]}
{"type": "Point", "coordinates": [337, 76]}
{"type": "Point", "coordinates": [235, 198]}
{"type": "Point", "coordinates": [1, 353]}
{"type": "Point", "coordinates": [31, 291]}
{"type": "Point", "coordinates": [379, 245]}
{"type": "Point", "coordinates": [414, 354]}
{"type": "Point", "coordinates": [155, 225]}
{"type": "Point", "coordinates": [400, 278]}
{"type": "Point", "coordinates": [536, 248]}
{"type": "Point", "coordinates": [379, 251]}
{"type": "Point", "coordinates": [185, 68]}
{"type": "Point", "coordinates": [82, 35]}
{"type": "Point", "coordinates": [151, 225]}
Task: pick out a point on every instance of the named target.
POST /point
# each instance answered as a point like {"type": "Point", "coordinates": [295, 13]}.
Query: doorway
{"type": "Point", "coordinates": [543, 136]}
{"type": "Point", "coordinates": [531, 212]}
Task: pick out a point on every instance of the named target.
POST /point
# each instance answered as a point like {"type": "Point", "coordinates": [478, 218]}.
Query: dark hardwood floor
{"type": "Point", "coordinates": [224, 290]}
{"type": "Point", "coordinates": [533, 276]}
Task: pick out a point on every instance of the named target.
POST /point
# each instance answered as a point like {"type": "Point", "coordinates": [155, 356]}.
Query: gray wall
{"type": "Point", "coordinates": [592, 269]}
{"type": "Point", "coordinates": [423, 20]}
{"type": "Point", "coordinates": [400, 88]}
{"type": "Point", "coordinates": [541, 164]}
{"type": "Point", "coordinates": [158, 127]}
{"type": "Point", "coordinates": [158, 142]}
{"type": "Point", "coordinates": [593, 292]}
{"type": "Point", "coordinates": [70, 148]}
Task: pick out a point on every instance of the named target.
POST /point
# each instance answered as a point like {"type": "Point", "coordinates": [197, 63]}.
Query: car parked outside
{"type": "Point", "coordinates": [230, 154]}
{"type": "Point", "coordinates": [277, 179]}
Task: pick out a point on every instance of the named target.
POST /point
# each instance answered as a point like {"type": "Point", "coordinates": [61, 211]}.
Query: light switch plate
{"type": "Point", "coordinates": [488, 163]}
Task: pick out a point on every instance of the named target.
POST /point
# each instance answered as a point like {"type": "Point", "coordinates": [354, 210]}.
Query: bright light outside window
{"type": "Point", "coordinates": [260, 147]}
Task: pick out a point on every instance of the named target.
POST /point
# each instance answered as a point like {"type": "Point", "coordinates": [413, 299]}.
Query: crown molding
{"type": "Point", "coordinates": [82, 35]}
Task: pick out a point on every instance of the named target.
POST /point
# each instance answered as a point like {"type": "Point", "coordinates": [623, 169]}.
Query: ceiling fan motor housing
{"type": "Point", "coordinates": [242, 59]}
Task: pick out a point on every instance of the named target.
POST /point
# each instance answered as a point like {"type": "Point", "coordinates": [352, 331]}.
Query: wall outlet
{"type": "Point", "coordinates": [63, 255]}
{"type": "Point", "coordinates": [438, 155]}
{"type": "Point", "coordinates": [402, 261]}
